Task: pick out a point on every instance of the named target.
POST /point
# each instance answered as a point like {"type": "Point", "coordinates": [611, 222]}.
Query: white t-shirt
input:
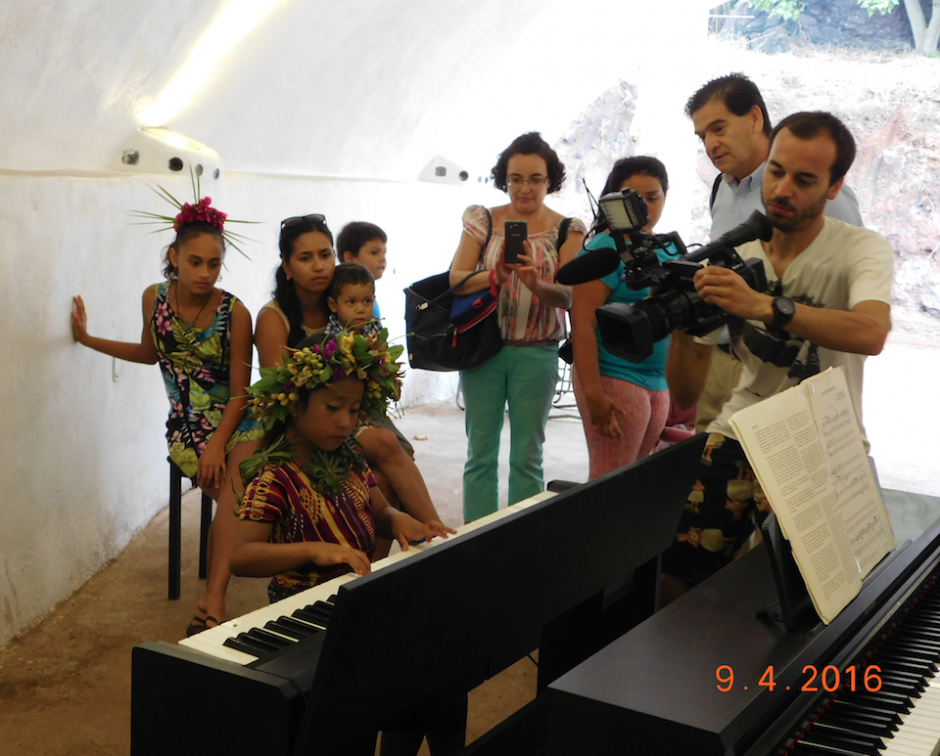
{"type": "Point", "coordinates": [843, 266]}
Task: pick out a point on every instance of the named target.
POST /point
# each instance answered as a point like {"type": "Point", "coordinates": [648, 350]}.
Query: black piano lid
{"type": "Point", "coordinates": [658, 683]}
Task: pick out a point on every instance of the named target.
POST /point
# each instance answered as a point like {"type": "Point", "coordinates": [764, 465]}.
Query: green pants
{"type": "Point", "coordinates": [525, 377]}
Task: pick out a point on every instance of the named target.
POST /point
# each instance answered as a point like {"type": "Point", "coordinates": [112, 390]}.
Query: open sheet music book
{"type": "Point", "coordinates": [805, 447]}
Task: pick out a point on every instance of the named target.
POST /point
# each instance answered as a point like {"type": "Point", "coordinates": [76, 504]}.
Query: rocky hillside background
{"type": "Point", "coordinates": [839, 23]}
{"type": "Point", "coordinates": [889, 98]}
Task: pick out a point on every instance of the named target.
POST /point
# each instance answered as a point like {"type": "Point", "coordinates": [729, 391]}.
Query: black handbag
{"type": "Point", "coordinates": [434, 342]}
{"type": "Point", "coordinates": [432, 338]}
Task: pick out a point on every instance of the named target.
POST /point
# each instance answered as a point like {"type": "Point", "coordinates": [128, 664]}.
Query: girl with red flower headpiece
{"type": "Point", "coordinates": [201, 336]}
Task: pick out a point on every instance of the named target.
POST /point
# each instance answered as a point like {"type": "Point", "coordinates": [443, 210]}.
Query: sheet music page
{"type": "Point", "coordinates": [783, 445]}
{"type": "Point", "coordinates": [860, 513]}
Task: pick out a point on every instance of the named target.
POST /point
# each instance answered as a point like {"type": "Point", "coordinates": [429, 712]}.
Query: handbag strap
{"type": "Point", "coordinates": [489, 235]}
{"type": "Point", "coordinates": [562, 238]}
{"type": "Point", "coordinates": [562, 234]}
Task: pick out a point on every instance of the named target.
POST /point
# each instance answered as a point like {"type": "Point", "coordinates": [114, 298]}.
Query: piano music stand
{"type": "Point", "coordinates": [794, 608]}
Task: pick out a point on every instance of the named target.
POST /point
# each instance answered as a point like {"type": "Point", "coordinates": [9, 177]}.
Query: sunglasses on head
{"type": "Point", "coordinates": [313, 218]}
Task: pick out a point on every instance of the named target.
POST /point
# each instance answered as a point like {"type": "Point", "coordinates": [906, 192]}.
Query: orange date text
{"type": "Point", "coordinates": [828, 679]}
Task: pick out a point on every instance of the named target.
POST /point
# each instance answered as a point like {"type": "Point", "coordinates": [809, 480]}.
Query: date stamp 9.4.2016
{"type": "Point", "coordinates": [829, 679]}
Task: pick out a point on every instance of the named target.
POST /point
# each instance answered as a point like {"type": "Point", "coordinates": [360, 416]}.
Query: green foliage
{"type": "Point", "coordinates": [884, 7]}
{"type": "Point", "coordinates": [788, 10]}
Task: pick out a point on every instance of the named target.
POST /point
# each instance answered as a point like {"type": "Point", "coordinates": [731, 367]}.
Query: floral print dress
{"type": "Point", "coordinates": [195, 367]}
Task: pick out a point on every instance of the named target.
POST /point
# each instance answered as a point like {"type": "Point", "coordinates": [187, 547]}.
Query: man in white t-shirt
{"type": "Point", "coordinates": [829, 305]}
{"type": "Point", "coordinates": [731, 119]}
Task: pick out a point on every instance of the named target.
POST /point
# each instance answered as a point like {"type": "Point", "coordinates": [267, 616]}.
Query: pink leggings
{"type": "Point", "coordinates": [642, 421]}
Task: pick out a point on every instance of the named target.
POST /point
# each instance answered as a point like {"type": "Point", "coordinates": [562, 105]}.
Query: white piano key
{"type": "Point", "coordinates": [919, 731]}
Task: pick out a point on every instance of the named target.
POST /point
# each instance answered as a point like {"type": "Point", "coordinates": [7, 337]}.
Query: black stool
{"type": "Point", "coordinates": [176, 497]}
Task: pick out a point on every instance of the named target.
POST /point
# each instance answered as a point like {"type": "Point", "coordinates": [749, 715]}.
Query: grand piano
{"type": "Point", "coordinates": [564, 574]}
{"type": "Point", "coordinates": [713, 674]}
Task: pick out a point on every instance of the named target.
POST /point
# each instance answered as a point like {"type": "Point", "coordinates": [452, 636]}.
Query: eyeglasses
{"type": "Point", "coordinates": [312, 218]}
{"type": "Point", "coordinates": [533, 181]}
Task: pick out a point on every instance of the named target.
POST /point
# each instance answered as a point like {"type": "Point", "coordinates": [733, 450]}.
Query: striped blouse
{"type": "Point", "coordinates": [522, 317]}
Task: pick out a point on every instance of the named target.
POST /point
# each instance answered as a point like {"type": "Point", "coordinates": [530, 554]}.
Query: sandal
{"type": "Point", "coordinates": [200, 624]}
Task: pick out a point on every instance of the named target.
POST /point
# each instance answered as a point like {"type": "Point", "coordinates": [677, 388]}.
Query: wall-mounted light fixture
{"type": "Point", "coordinates": [155, 150]}
{"type": "Point", "coordinates": [443, 171]}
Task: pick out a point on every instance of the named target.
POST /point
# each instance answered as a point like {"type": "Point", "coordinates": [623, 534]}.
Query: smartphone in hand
{"type": "Point", "coordinates": [516, 233]}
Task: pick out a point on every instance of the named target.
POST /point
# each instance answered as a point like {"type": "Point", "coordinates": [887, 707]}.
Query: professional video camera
{"type": "Point", "coordinates": [630, 331]}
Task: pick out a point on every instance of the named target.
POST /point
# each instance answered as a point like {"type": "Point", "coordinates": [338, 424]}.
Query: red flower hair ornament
{"type": "Point", "coordinates": [201, 211]}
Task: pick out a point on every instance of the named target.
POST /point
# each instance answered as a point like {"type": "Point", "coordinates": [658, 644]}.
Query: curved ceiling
{"type": "Point", "coordinates": [363, 87]}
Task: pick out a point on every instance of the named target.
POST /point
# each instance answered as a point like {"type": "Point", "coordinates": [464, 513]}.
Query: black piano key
{"type": "Point", "coordinates": [928, 612]}
{"type": "Point", "coordinates": [907, 689]}
{"type": "Point", "coordinates": [890, 661]}
{"type": "Point", "coordinates": [283, 628]}
{"type": "Point", "coordinates": [809, 747]}
{"type": "Point", "coordinates": [856, 724]}
{"type": "Point", "coordinates": [926, 608]}
{"type": "Point", "coordinates": [243, 645]}
{"type": "Point", "coordinates": [921, 651]}
{"type": "Point", "coordinates": [310, 619]}
{"type": "Point", "coordinates": [884, 721]}
{"type": "Point", "coordinates": [833, 730]}
{"type": "Point", "coordinates": [320, 607]}
{"type": "Point", "coordinates": [261, 634]}
{"type": "Point", "coordinates": [850, 742]}
{"type": "Point", "coordinates": [300, 625]}
{"type": "Point", "coordinates": [320, 614]}
{"type": "Point", "coordinates": [920, 641]}
{"type": "Point", "coordinates": [901, 675]}
{"type": "Point", "coordinates": [862, 708]}
{"type": "Point", "coordinates": [921, 632]}
{"type": "Point", "coordinates": [880, 700]}
{"type": "Point", "coordinates": [316, 618]}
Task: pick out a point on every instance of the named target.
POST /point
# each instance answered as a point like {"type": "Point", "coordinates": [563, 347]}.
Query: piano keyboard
{"type": "Point", "coordinates": [264, 632]}
{"type": "Point", "coordinates": [903, 717]}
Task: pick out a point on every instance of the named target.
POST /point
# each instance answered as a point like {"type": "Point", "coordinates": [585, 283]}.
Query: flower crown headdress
{"type": "Point", "coordinates": [347, 354]}
{"type": "Point", "coordinates": [198, 210]}
{"type": "Point", "coordinates": [368, 358]}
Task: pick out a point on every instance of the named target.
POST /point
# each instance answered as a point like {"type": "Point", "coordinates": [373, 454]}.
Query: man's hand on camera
{"type": "Point", "coordinates": [726, 289]}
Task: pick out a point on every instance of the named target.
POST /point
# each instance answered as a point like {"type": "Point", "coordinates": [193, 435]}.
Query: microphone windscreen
{"type": "Point", "coordinates": [595, 264]}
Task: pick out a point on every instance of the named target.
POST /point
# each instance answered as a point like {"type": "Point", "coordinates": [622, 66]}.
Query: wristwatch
{"type": "Point", "coordinates": [784, 310]}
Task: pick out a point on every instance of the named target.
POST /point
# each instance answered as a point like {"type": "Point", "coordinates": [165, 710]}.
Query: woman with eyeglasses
{"type": "Point", "coordinates": [531, 318]}
{"type": "Point", "coordinates": [299, 309]}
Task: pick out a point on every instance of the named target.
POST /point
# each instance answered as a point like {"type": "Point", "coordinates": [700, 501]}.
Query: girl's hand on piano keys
{"type": "Point", "coordinates": [407, 529]}
{"type": "Point", "coordinates": [329, 554]}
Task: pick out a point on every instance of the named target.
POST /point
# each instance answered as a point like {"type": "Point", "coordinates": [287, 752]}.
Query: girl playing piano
{"type": "Point", "coordinates": [311, 508]}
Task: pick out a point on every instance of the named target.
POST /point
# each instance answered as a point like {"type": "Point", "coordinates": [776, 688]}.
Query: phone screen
{"type": "Point", "coordinates": [516, 233]}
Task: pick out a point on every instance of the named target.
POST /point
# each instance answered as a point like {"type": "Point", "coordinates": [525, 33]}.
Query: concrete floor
{"type": "Point", "coordinates": [65, 686]}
